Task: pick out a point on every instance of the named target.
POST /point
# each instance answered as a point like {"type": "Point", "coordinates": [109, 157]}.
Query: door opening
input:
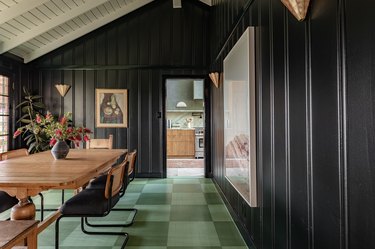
{"type": "Point", "coordinates": [185, 125]}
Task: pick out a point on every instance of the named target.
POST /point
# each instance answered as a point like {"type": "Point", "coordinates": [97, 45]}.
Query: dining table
{"type": "Point", "coordinates": [27, 176]}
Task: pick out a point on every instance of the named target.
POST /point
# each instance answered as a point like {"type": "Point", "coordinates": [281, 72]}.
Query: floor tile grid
{"type": "Point", "coordinates": [173, 213]}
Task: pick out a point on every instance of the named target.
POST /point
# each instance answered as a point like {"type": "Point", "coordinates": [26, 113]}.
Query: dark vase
{"type": "Point", "coordinates": [60, 150]}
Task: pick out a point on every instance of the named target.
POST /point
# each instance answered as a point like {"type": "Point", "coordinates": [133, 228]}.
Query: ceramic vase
{"type": "Point", "coordinates": [60, 150]}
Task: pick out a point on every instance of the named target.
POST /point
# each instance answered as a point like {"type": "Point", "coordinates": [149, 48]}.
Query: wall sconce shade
{"type": "Point", "coordinates": [217, 78]}
{"type": "Point", "coordinates": [297, 7]}
{"type": "Point", "coordinates": [181, 104]}
{"type": "Point", "coordinates": [63, 89]}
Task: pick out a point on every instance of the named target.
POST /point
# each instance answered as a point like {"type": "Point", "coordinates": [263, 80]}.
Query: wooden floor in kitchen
{"type": "Point", "coordinates": [185, 167]}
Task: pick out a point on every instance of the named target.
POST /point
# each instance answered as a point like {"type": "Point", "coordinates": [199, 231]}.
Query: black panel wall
{"type": "Point", "coordinates": [315, 122]}
{"type": "Point", "coordinates": [134, 52]}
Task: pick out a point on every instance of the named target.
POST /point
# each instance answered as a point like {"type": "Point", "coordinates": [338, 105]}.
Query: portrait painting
{"type": "Point", "coordinates": [111, 108]}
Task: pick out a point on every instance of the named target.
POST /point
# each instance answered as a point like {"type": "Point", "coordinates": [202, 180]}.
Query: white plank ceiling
{"type": "Point", "coordinates": [32, 28]}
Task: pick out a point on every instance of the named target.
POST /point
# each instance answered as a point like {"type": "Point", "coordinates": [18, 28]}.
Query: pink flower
{"type": "Point", "coordinates": [63, 120]}
{"type": "Point", "coordinates": [17, 133]}
{"type": "Point", "coordinates": [49, 116]}
{"type": "Point", "coordinates": [52, 142]}
{"type": "Point", "coordinates": [86, 138]}
{"type": "Point", "coordinates": [38, 119]}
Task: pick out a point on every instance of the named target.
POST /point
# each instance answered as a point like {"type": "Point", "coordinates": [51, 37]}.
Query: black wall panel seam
{"type": "Point", "coordinates": [342, 126]}
{"type": "Point", "coordinates": [272, 125]}
{"type": "Point", "coordinates": [260, 125]}
{"type": "Point", "coordinates": [309, 136]}
{"type": "Point", "coordinates": [287, 130]}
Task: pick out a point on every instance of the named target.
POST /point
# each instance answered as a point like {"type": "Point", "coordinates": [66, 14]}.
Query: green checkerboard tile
{"type": "Point", "coordinates": [208, 188]}
{"type": "Point", "coordinates": [158, 188]}
{"type": "Point", "coordinates": [188, 199]}
{"type": "Point", "coordinates": [153, 212]}
{"type": "Point", "coordinates": [190, 213]}
{"type": "Point", "coordinates": [148, 234]}
{"type": "Point", "coordinates": [173, 213]}
{"type": "Point", "coordinates": [154, 199]}
{"type": "Point", "coordinates": [197, 233]}
{"type": "Point", "coordinates": [187, 188]}
{"type": "Point", "coordinates": [219, 213]}
{"type": "Point", "coordinates": [228, 234]}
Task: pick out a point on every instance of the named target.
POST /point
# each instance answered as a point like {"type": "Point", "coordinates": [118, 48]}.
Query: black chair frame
{"type": "Point", "coordinates": [83, 218]}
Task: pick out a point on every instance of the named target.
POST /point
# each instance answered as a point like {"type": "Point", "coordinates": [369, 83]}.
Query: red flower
{"type": "Point", "coordinates": [49, 116]}
{"type": "Point", "coordinates": [86, 138]}
{"type": "Point", "coordinates": [16, 133]}
{"type": "Point", "coordinates": [69, 130]}
{"type": "Point", "coordinates": [52, 142]}
{"type": "Point", "coordinates": [79, 129]}
{"type": "Point", "coordinates": [87, 130]}
{"type": "Point", "coordinates": [58, 132]}
{"type": "Point", "coordinates": [78, 138]}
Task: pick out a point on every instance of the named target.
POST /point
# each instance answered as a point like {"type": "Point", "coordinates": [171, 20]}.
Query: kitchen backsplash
{"type": "Point", "coordinates": [182, 119]}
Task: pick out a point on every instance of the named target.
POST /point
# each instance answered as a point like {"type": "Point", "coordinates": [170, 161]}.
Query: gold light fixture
{"type": "Point", "coordinates": [297, 7]}
{"type": "Point", "coordinates": [217, 78]}
{"type": "Point", "coordinates": [63, 89]}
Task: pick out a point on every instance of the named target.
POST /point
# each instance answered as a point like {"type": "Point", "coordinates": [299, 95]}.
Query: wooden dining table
{"type": "Point", "coordinates": [29, 175]}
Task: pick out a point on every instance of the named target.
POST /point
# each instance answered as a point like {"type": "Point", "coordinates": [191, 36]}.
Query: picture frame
{"type": "Point", "coordinates": [111, 108]}
{"type": "Point", "coordinates": [240, 117]}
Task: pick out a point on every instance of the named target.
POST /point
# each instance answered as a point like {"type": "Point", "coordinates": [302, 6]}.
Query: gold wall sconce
{"type": "Point", "coordinates": [297, 7]}
{"type": "Point", "coordinates": [217, 78]}
{"type": "Point", "coordinates": [63, 89]}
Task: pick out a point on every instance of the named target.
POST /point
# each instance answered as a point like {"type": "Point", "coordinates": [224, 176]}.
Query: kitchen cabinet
{"type": "Point", "coordinates": [180, 143]}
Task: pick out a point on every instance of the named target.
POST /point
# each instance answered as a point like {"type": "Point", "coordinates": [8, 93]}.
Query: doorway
{"type": "Point", "coordinates": [185, 127]}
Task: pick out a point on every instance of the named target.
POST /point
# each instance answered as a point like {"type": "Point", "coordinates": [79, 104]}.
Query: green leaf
{"type": "Point", "coordinates": [28, 121]}
{"type": "Point", "coordinates": [32, 146]}
{"type": "Point", "coordinates": [36, 97]}
{"type": "Point", "coordinates": [23, 117]}
{"type": "Point", "coordinates": [22, 103]}
{"type": "Point", "coordinates": [39, 104]}
{"type": "Point", "coordinates": [25, 109]}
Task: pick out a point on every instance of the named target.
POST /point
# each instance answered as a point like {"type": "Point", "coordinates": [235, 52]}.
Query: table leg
{"type": "Point", "coordinates": [24, 210]}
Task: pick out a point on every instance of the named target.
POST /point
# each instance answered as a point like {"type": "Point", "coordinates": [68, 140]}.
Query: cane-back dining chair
{"type": "Point", "coordinates": [100, 143]}
{"type": "Point", "coordinates": [96, 201]}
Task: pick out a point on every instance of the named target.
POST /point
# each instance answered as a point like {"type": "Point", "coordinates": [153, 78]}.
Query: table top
{"type": "Point", "coordinates": [41, 171]}
{"type": "Point", "coordinates": [11, 230]}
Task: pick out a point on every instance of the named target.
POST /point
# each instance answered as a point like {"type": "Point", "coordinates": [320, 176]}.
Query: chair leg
{"type": "Point", "coordinates": [128, 224]}
{"type": "Point", "coordinates": [126, 235]}
{"type": "Point", "coordinates": [41, 206]}
{"type": "Point", "coordinates": [57, 232]}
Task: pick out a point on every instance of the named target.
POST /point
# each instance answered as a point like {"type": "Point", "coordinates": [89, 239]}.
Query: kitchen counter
{"type": "Point", "coordinates": [180, 142]}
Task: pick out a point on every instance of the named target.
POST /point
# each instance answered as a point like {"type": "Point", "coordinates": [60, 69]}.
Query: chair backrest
{"type": "Point", "coordinates": [115, 177]}
{"type": "Point", "coordinates": [105, 143]}
{"type": "Point", "coordinates": [13, 154]}
{"type": "Point", "coordinates": [132, 157]}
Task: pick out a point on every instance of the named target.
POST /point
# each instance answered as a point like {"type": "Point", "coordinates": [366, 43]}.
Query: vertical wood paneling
{"type": "Point", "coordinates": [316, 123]}
{"type": "Point", "coordinates": [114, 56]}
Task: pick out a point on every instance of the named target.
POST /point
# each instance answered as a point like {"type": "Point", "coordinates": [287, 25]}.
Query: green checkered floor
{"type": "Point", "coordinates": [172, 213]}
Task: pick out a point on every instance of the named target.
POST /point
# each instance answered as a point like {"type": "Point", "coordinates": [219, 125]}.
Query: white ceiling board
{"type": "Point", "coordinates": [40, 29]}
{"type": "Point", "coordinates": [18, 9]}
{"type": "Point", "coordinates": [32, 28]}
{"type": "Point", "coordinates": [86, 29]}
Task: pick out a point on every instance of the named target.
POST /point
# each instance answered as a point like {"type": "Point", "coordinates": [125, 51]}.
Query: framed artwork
{"type": "Point", "coordinates": [111, 108]}
{"type": "Point", "coordinates": [240, 117]}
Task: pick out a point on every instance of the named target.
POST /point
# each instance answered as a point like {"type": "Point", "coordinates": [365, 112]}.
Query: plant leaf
{"type": "Point", "coordinates": [28, 121]}
{"type": "Point", "coordinates": [23, 117]}
{"type": "Point", "coordinates": [39, 104]}
{"type": "Point", "coordinates": [22, 103]}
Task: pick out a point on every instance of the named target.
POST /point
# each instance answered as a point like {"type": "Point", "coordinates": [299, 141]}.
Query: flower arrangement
{"type": "Point", "coordinates": [61, 130]}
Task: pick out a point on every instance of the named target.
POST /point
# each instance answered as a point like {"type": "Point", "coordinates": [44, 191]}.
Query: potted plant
{"type": "Point", "coordinates": [35, 139]}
